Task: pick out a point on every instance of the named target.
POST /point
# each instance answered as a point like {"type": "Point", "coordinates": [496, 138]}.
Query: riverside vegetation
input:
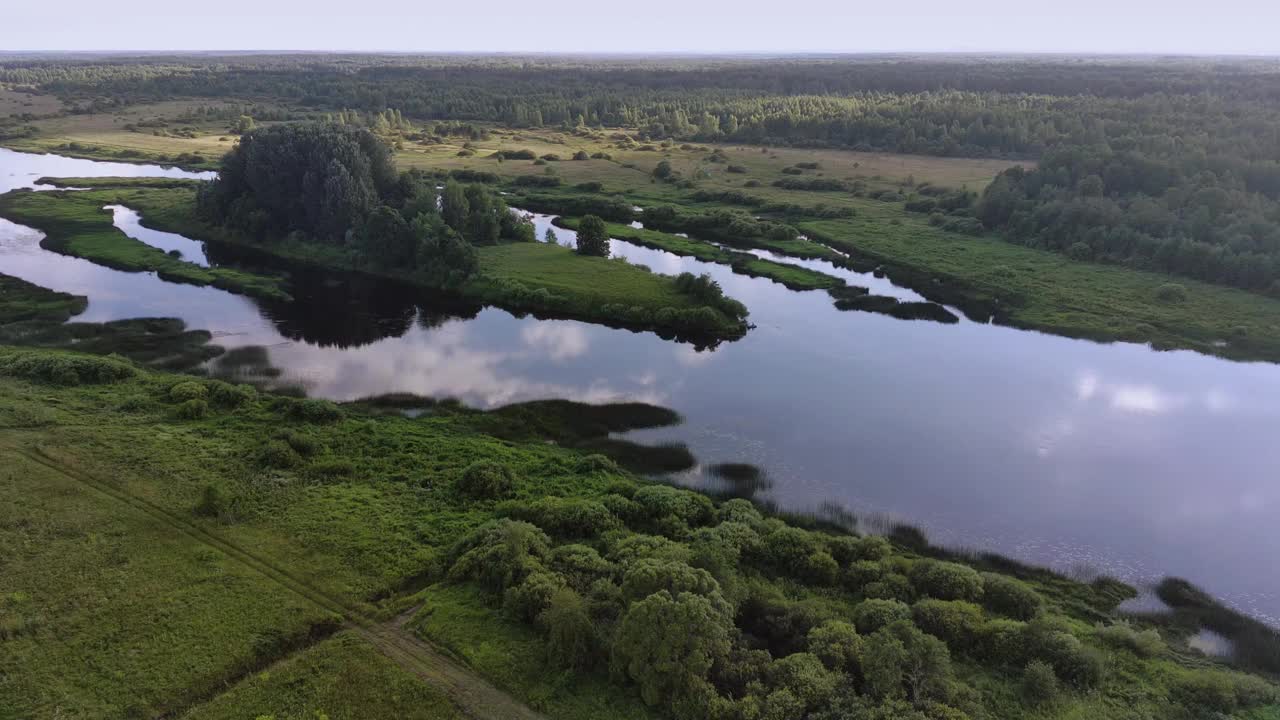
{"type": "Point", "coordinates": [203, 549]}
{"type": "Point", "coordinates": [305, 540]}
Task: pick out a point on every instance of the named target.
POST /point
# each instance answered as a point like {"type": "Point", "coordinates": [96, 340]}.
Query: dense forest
{"type": "Point", "coordinates": [1170, 164]}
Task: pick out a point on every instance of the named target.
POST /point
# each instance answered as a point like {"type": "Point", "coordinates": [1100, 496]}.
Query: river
{"type": "Point", "coordinates": [1088, 457]}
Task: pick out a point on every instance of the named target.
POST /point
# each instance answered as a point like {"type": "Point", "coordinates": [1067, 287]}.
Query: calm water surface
{"type": "Point", "coordinates": [1062, 452]}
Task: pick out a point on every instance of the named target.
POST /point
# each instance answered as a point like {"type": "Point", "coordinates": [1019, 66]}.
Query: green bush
{"type": "Point", "coordinates": [331, 468]}
{"type": "Point", "coordinates": [1039, 683]}
{"type": "Point", "coordinates": [191, 410]}
{"type": "Point", "coordinates": [212, 503]}
{"type": "Point", "coordinates": [1002, 642]}
{"type": "Point", "coordinates": [571, 636]}
{"type": "Point", "coordinates": [871, 615]}
{"type": "Point", "coordinates": [741, 511]}
{"type": "Point", "coordinates": [956, 622]}
{"type": "Point", "coordinates": [189, 390]}
{"type": "Point", "coordinates": [278, 454]}
{"type": "Point", "coordinates": [891, 586]}
{"type": "Point", "coordinates": [1171, 293]}
{"type": "Point", "coordinates": [499, 554]}
{"type": "Point", "coordinates": [231, 396]}
{"type": "Point", "coordinates": [659, 501]}
{"type": "Point", "coordinates": [486, 480]}
{"type": "Point", "coordinates": [312, 410]}
{"type": "Point", "coordinates": [595, 463]}
{"type": "Point", "coordinates": [527, 600]}
{"type": "Point", "coordinates": [305, 445]}
{"type": "Point", "coordinates": [1073, 662]}
{"type": "Point", "coordinates": [804, 676]}
{"type": "Point", "coordinates": [562, 517]}
{"type": "Point", "coordinates": [59, 369]}
{"type": "Point", "coordinates": [946, 581]}
{"type": "Point", "coordinates": [580, 565]}
{"type": "Point", "coordinates": [1007, 596]}
{"type": "Point", "coordinates": [1143, 643]}
{"type": "Point", "coordinates": [837, 644]}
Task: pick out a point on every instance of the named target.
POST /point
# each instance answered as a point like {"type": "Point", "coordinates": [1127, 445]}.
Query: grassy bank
{"type": "Point", "coordinates": [792, 276]}
{"type": "Point", "coordinates": [75, 223]}
{"type": "Point", "coordinates": [191, 548]}
{"type": "Point", "coordinates": [1044, 291]}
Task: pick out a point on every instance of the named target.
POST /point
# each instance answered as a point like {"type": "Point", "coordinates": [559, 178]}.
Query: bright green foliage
{"type": "Point", "coordinates": [191, 410]}
{"type": "Point", "coordinates": [1009, 596]}
{"type": "Point", "coordinates": [561, 517]}
{"type": "Point", "coordinates": [804, 676]}
{"type": "Point", "coordinates": [580, 565]}
{"type": "Point", "coordinates": [946, 581]}
{"type": "Point", "coordinates": [956, 622]}
{"type": "Point", "coordinates": [666, 644]}
{"type": "Point", "coordinates": [1074, 663]}
{"type": "Point", "coordinates": [901, 661]}
{"type": "Point", "coordinates": [527, 601]}
{"type": "Point", "coordinates": [500, 554]}
{"type": "Point", "coordinates": [189, 390]}
{"type": "Point", "coordinates": [873, 614]}
{"type": "Point", "coordinates": [648, 576]}
{"type": "Point", "coordinates": [593, 237]}
{"type": "Point", "coordinates": [59, 369]}
{"type": "Point", "coordinates": [837, 644]}
{"type": "Point", "coordinates": [571, 637]}
{"type": "Point", "coordinates": [486, 479]}
{"type": "Point", "coordinates": [1039, 683]}
{"type": "Point", "coordinates": [1144, 643]}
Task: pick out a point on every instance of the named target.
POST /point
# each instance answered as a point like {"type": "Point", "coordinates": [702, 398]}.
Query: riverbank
{"type": "Point", "coordinates": [272, 522]}
{"type": "Point", "coordinates": [76, 223]}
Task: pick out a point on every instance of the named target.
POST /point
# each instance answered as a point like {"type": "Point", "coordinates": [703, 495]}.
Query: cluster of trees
{"type": "Point", "coordinates": [1213, 219]}
{"type": "Point", "coordinates": [337, 186]}
{"type": "Point", "coordinates": [723, 226]}
{"type": "Point", "coordinates": [721, 613]}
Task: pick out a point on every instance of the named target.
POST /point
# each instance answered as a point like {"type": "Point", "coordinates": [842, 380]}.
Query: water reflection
{"type": "Point", "coordinates": [1053, 450]}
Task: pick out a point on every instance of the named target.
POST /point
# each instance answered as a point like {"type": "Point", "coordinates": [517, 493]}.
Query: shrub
{"type": "Point", "coordinates": [302, 443]}
{"type": "Point", "coordinates": [571, 637]}
{"type": "Point", "coordinates": [486, 480]}
{"type": "Point", "coordinates": [739, 510]}
{"type": "Point", "coordinates": [1145, 643]}
{"type": "Point", "coordinates": [648, 576]}
{"type": "Point", "coordinates": [499, 554]}
{"type": "Point", "coordinates": [581, 155]}
{"type": "Point", "coordinates": [278, 454]}
{"type": "Point", "coordinates": [60, 369]}
{"type": "Point", "coordinates": [188, 390]}
{"type": "Point", "coordinates": [1002, 641]}
{"type": "Point", "coordinates": [899, 660]}
{"type": "Point", "coordinates": [595, 463]}
{"type": "Point", "coordinates": [580, 565]}
{"type": "Point", "coordinates": [946, 581]}
{"type": "Point", "coordinates": [871, 615]}
{"type": "Point", "coordinates": [527, 600]}
{"type": "Point", "coordinates": [667, 644]}
{"type": "Point", "coordinates": [212, 503]}
{"type": "Point", "coordinates": [1008, 596]}
{"type": "Point", "coordinates": [1171, 293]}
{"type": "Point", "coordinates": [192, 410]}
{"type": "Point", "coordinates": [232, 396]}
{"type": "Point", "coordinates": [331, 468]}
{"type": "Point", "coordinates": [1073, 663]}
{"type": "Point", "coordinates": [804, 676]}
{"type": "Point", "coordinates": [862, 573]}
{"type": "Point", "coordinates": [659, 501]}
{"type": "Point", "coordinates": [954, 621]}
{"type": "Point", "coordinates": [564, 517]}
{"type": "Point", "coordinates": [837, 644]}
{"type": "Point", "coordinates": [1039, 683]}
{"type": "Point", "coordinates": [314, 411]}
{"type": "Point", "coordinates": [891, 586]}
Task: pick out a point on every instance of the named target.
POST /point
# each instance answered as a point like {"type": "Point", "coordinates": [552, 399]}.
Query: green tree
{"type": "Point", "coordinates": [571, 637]}
{"type": "Point", "coordinates": [454, 206]}
{"type": "Point", "coordinates": [667, 644]}
{"type": "Point", "coordinates": [593, 237]}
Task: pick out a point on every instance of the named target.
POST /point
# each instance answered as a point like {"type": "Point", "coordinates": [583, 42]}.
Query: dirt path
{"type": "Point", "coordinates": [474, 696]}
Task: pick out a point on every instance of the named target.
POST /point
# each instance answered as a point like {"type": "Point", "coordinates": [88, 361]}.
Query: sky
{"type": "Point", "coordinates": [1235, 27]}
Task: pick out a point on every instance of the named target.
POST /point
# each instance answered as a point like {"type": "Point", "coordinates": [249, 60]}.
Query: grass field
{"type": "Point", "coordinates": [13, 102]}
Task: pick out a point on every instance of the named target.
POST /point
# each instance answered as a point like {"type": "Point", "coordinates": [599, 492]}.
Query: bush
{"type": "Point", "coordinates": [527, 600]}
{"type": "Point", "coordinates": [232, 396]}
{"type": "Point", "coordinates": [1039, 683]}
{"type": "Point", "coordinates": [1145, 643]}
{"type": "Point", "coordinates": [486, 480]}
{"type": "Point", "coordinates": [1011, 597]}
{"type": "Point", "coordinates": [580, 565]}
{"type": "Point", "coordinates": [595, 463]}
{"type": "Point", "coordinates": [1171, 293]}
{"type": "Point", "coordinates": [954, 621]}
{"type": "Point", "coordinates": [314, 411]}
{"type": "Point", "coordinates": [660, 501]}
{"type": "Point", "coordinates": [1003, 642]}
{"type": "Point", "coordinates": [277, 454]}
{"type": "Point", "coordinates": [871, 615]}
{"type": "Point", "coordinates": [581, 155]}
{"type": "Point", "coordinates": [741, 511]}
{"type": "Point", "coordinates": [571, 637]}
{"type": "Point", "coordinates": [189, 390]}
{"type": "Point", "coordinates": [804, 676]}
{"type": "Point", "coordinates": [837, 644]}
{"type": "Point", "coordinates": [58, 369]}
{"type": "Point", "coordinates": [192, 410]}
{"type": "Point", "coordinates": [1073, 663]}
{"type": "Point", "coordinates": [891, 586]}
{"type": "Point", "coordinates": [499, 555]}
{"type": "Point", "coordinates": [563, 517]}
{"type": "Point", "coordinates": [212, 503]}
{"type": "Point", "coordinates": [946, 581]}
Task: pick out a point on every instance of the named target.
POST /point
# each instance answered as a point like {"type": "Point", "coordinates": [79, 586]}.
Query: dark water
{"type": "Point", "coordinates": [1112, 458]}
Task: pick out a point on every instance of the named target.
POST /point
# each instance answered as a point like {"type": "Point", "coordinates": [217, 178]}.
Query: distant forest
{"type": "Point", "coordinates": [1169, 164]}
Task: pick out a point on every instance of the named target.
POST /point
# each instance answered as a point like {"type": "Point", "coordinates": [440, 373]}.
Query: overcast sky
{"type": "Point", "coordinates": [704, 26]}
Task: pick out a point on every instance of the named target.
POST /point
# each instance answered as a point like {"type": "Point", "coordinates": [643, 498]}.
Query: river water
{"type": "Point", "coordinates": [1083, 456]}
